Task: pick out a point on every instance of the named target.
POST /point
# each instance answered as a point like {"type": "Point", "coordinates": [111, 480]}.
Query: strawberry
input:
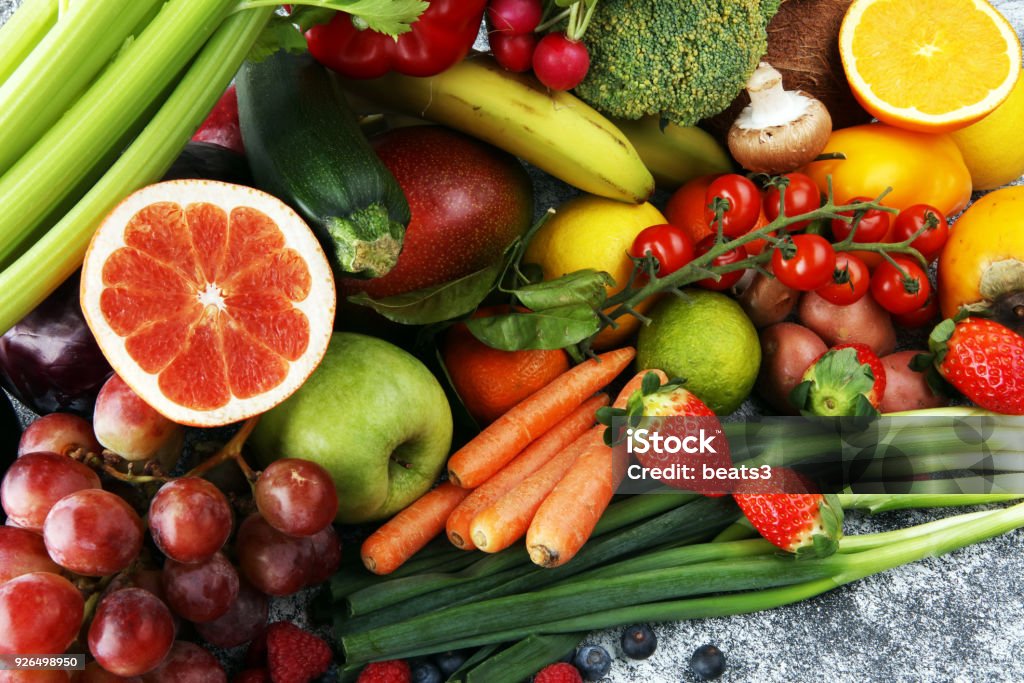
{"type": "Point", "coordinates": [983, 360]}
{"type": "Point", "coordinates": [560, 672]}
{"type": "Point", "coordinates": [669, 410]}
{"type": "Point", "coordinates": [846, 380]}
{"type": "Point", "coordinates": [294, 655]}
{"type": "Point", "coordinates": [221, 126]}
{"type": "Point", "coordinates": [806, 524]}
{"type": "Point", "coordinates": [391, 671]}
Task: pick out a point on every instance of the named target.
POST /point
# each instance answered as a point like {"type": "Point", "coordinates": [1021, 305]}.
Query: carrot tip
{"type": "Point", "coordinates": [456, 539]}
{"type": "Point", "coordinates": [370, 563]}
{"type": "Point", "coordinates": [454, 479]}
{"type": "Point", "coordinates": [480, 539]}
{"type": "Point", "coordinates": [543, 556]}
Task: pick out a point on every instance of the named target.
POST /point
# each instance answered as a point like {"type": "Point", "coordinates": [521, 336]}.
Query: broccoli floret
{"type": "Point", "coordinates": [684, 60]}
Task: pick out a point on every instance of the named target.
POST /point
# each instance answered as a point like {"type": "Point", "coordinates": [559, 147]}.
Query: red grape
{"type": "Point", "coordinates": [35, 481]}
{"type": "Point", "coordinates": [127, 425]}
{"type": "Point", "coordinates": [23, 552]}
{"type": "Point", "coordinates": [201, 591]}
{"type": "Point", "coordinates": [131, 632]}
{"type": "Point", "coordinates": [296, 496]}
{"type": "Point", "coordinates": [34, 676]}
{"type": "Point", "coordinates": [245, 619]}
{"type": "Point", "coordinates": [93, 532]}
{"type": "Point", "coordinates": [190, 519]}
{"type": "Point", "coordinates": [326, 555]}
{"type": "Point", "coordinates": [187, 663]}
{"type": "Point", "coordinates": [273, 562]}
{"type": "Point", "coordinates": [58, 433]}
{"type": "Point", "coordinates": [40, 613]}
{"type": "Point", "coordinates": [94, 673]}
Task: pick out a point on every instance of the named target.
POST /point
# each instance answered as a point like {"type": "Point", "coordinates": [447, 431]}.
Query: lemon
{"type": "Point", "coordinates": [990, 148]}
{"type": "Point", "coordinates": [594, 232]}
{"type": "Point", "coordinates": [707, 340]}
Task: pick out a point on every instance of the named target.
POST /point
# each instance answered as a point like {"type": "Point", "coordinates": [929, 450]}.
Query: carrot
{"type": "Point", "coordinates": [498, 443]}
{"type": "Point", "coordinates": [402, 536]}
{"type": "Point", "coordinates": [568, 515]}
{"type": "Point", "coordinates": [504, 522]}
{"type": "Point", "coordinates": [528, 461]}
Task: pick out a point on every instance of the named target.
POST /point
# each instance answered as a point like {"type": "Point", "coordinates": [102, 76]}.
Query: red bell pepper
{"type": "Point", "coordinates": [439, 39]}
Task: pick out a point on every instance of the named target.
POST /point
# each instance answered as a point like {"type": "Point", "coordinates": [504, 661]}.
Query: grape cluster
{"type": "Point", "coordinates": [75, 552]}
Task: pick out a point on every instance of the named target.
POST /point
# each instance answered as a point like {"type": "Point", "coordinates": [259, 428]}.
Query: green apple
{"type": "Point", "coordinates": [374, 416]}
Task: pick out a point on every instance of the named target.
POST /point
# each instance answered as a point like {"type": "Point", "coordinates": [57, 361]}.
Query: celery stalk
{"type": "Point", "coordinates": [875, 502]}
{"type": "Point", "coordinates": [92, 126]}
{"type": "Point", "coordinates": [60, 68]}
{"type": "Point", "coordinates": [23, 31]}
{"type": "Point", "coordinates": [39, 271]}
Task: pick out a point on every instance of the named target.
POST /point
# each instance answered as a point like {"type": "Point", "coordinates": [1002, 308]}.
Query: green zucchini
{"type": "Point", "coordinates": [305, 146]}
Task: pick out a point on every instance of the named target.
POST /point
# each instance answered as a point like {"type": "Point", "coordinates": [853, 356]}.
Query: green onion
{"type": "Point", "coordinates": [57, 255]}
{"type": "Point", "coordinates": [518, 662]}
{"type": "Point", "coordinates": [874, 502]}
{"type": "Point", "coordinates": [638, 597]}
{"type": "Point", "coordinates": [23, 31]}
{"type": "Point", "coordinates": [61, 67]}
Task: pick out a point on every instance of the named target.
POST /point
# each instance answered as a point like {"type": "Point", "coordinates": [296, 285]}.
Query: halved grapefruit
{"type": "Point", "coordinates": [212, 301]}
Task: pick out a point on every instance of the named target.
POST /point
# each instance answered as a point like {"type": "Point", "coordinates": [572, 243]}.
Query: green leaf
{"type": "Point", "coordinates": [586, 286]}
{"type": "Point", "coordinates": [393, 17]}
{"type": "Point", "coordinates": [552, 328]}
{"type": "Point", "coordinates": [650, 383]}
{"type": "Point", "coordinates": [279, 34]}
{"type": "Point", "coordinates": [437, 303]}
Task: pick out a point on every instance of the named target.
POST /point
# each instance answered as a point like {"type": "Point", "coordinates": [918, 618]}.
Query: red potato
{"type": "Point", "coordinates": [787, 349]}
{"type": "Point", "coordinates": [864, 321]}
{"type": "Point", "coordinates": [906, 389]}
{"type": "Point", "coordinates": [767, 301]}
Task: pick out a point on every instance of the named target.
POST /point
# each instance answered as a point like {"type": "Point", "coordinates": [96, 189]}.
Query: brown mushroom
{"type": "Point", "coordinates": [781, 130]}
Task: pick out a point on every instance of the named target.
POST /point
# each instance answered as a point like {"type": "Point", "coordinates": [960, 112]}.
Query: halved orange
{"type": "Point", "coordinates": [212, 301]}
{"type": "Point", "coordinates": [929, 65]}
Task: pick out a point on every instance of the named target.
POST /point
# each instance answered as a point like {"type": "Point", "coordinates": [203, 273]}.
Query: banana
{"type": "Point", "coordinates": [675, 154]}
{"type": "Point", "coordinates": [555, 131]}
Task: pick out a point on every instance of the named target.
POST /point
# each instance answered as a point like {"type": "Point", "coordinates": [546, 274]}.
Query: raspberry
{"type": "Point", "coordinates": [559, 672]}
{"type": "Point", "coordinates": [294, 655]}
{"type": "Point", "coordinates": [252, 676]}
{"type": "Point", "coordinates": [392, 671]}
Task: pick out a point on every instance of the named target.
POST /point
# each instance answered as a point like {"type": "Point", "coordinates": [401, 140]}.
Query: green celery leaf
{"type": "Point", "coordinates": [393, 17]}
{"type": "Point", "coordinates": [279, 34]}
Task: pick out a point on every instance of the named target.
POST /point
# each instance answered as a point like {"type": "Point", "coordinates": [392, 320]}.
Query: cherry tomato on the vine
{"type": "Point", "coordinates": [872, 225]}
{"type": "Point", "coordinates": [850, 281]}
{"type": "Point", "coordinates": [899, 293]}
{"type": "Point", "coordinates": [744, 204]}
{"type": "Point", "coordinates": [912, 219]}
{"type": "Point", "coordinates": [671, 246]}
{"type": "Point", "coordinates": [729, 279]}
{"type": "Point", "coordinates": [927, 315]}
{"type": "Point", "coordinates": [802, 196]}
{"type": "Point", "coordinates": [806, 264]}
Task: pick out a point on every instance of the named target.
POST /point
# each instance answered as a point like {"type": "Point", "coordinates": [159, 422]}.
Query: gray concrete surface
{"type": "Point", "coordinates": [958, 618]}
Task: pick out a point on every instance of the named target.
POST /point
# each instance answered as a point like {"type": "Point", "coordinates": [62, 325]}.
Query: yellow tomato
{"type": "Point", "coordinates": [984, 257]}
{"type": "Point", "coordinates": [921, 168]}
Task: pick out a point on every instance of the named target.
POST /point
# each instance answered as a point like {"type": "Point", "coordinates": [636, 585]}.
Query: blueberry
{"type": "Point", "coordinates": [707, 662]}
{"type": "Point", "coordinates": [593, 661]}
{"type": "Point", "coordinates": [638, 642]}
{"type": "Point", "coordinates": [425, 671]}
{"type": "Point", "coordinates": [449, 662]}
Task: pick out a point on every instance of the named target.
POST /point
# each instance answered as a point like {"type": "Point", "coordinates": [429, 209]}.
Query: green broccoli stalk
{"type": "Point", "coordinates": [683, 60]}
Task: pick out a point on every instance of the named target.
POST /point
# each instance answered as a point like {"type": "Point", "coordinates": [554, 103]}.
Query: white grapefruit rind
{"type": "Point", "coordinates": [965, 115]}
{"type": "Point", "coordinates": [318, 306]}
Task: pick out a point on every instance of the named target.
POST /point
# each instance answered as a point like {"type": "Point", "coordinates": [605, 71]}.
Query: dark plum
{"type": "Point", "coordinates": [49, 360]}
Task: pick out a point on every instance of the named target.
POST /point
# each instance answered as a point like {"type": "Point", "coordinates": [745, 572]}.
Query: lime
{"type": "Point", "coordinates": [707, 340]}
